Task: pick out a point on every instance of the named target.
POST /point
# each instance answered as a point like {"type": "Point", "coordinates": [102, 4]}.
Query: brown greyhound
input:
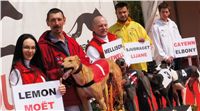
{"type": "Point", "coordinates": [89, 85]}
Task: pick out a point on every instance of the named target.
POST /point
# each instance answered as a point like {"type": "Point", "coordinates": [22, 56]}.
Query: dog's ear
{"type": "Point", "coordinates": [118, 61]}
{"type": "Point", "coordinates": [151, 66]}
{"type": "Point", "coordinates": [76, 57]}
{"type": "Point", "coordinates": [164, 64]}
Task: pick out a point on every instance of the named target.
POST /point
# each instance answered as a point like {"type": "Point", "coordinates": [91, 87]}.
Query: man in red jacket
{"type": "Point", "coordinates": [55, 46]}
{"type": "Point", "coordinates": [100, 36]}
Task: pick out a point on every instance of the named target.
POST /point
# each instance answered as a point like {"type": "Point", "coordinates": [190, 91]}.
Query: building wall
{"type": "Point", "coordinates": [187, 16]}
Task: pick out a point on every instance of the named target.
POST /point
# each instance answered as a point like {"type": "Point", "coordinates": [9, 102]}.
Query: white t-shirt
{"type": "Point", "coordinates": [93, 53]}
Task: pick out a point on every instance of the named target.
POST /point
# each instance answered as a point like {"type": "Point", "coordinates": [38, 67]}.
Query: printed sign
{"type": "Point", "coordinates": [185, 47]}
{"type": "Point", "coordinates": [37, 97]}
{"type": "Point", "coordinates": [138, 52]}
{"type": "Point", "coordinates": [113, 50]}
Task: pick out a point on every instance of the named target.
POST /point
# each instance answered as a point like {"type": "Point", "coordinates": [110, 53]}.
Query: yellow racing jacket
{"type": "Point", "coordinates": [131, 31]}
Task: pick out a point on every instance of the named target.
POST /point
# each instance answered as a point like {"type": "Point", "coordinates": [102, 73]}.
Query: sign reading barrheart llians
{"type": "Point", "coordinates": [113, 50]}
{"type": "Point", "coordinates": [137, 52]}
{"type": "Point", "coordinates": [185, 47]}
{"type": "Point", "coordinates": [37, 97]}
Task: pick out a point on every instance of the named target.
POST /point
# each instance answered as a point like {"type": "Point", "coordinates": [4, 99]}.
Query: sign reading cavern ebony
{"type": "Point", "coordinates": [138, 52]}
{"type": "Point", "coordinates": [185, 47]}
{"type": "Point", "coordinates": [37, 97]}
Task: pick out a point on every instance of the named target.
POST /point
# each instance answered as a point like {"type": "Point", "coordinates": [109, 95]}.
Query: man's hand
{"type": "Point", "coordinates": [169, 60]}
{"type": "Point", "coordinates": [141, 40]}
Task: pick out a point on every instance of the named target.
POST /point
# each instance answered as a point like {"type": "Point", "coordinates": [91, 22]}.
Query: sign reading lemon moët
{"type": "Point", "coordinates": [37, 97]}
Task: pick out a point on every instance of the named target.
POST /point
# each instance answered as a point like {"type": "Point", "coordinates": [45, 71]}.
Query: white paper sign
{"type": "Point", "coordinates": [185, 47]}
{"type": "Point", "coordinates": [138, 52]}
{"type": "Point", "coordinates": [113, 50]}
{"type": "Point", "coordinates": [36, 97]}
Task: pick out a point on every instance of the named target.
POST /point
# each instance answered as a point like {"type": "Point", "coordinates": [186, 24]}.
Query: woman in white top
{"type": "Point", "coordinates": [27, 66]}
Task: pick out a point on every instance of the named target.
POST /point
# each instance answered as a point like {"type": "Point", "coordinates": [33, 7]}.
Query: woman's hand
{"type": "Point", "coordinates": [62, 88]}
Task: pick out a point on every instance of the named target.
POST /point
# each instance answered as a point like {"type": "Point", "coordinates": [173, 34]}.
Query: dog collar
{"type": "Point", "coordinates": [79, 69]}
{"type": "Point", "coordinates": [86, 85]}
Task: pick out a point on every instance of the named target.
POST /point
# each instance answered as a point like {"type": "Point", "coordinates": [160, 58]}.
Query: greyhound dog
{"type": "Point", "coordinates": [135, 81]}
{"type": "Point", "coordinates": [92, 80]}
{"type": "Point", "coordinates": [181, 78]}
{"type": "Point", "coordinates": [177, 79]}
{"type": "Point", "coordinates": [161, 82]}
